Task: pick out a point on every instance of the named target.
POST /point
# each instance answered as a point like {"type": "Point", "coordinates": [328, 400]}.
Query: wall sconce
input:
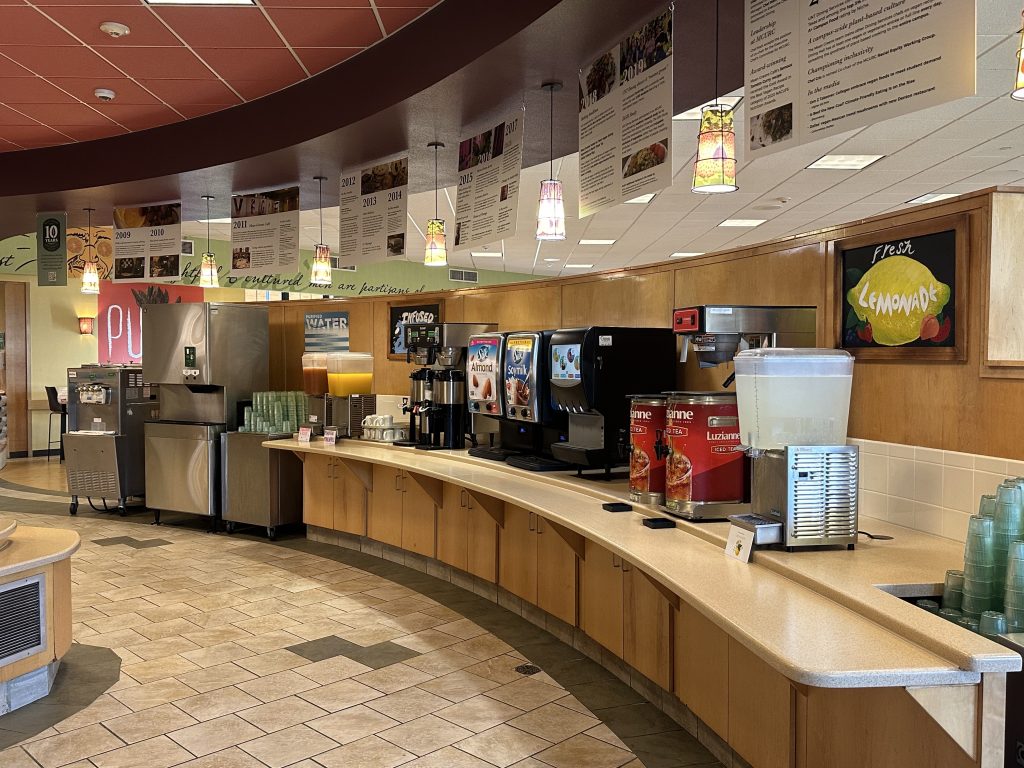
{"type": "Point", "coordinates": [85, 325]}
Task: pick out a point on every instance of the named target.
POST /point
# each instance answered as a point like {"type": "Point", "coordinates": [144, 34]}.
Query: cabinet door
{"type": "Point", "coordinates": [556, 574]}
{"type": "Point", "coordinates": [453, 527]}
{"type": "Point", "coordinates": [350, 500]}
{"type": "Point", "coordinates": [761, 712]}
{"type": "Point", "coordinates": [384, 521]}
{"type": "Point", "coordinates": [482, 541]}
{"type": "Point", "coordinates": [702, 668]}
{"type": "Point", "coordinates": [601, 597]}
{"type": "Point", "coordinates": [647, 632]}
{"type": "Point", "coordinates": [517, 561]}
{"type": "Point", "coordinates": [318, 490]}
{"type": "Point", "coordinates": [419, 517]}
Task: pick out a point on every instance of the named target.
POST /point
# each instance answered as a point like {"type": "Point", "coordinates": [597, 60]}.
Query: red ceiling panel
{"type": "Point", "coordinates": [254, 89]}
{"type": "Point", "coordinates": [6, 146]}
{"type": "Point", "coordinates": [9, 116]}
{"type": "Point", "coordinates": [31, 134]}
{"type": "Point", "coordinates": [61, 61]}
{"type": "Point", "coordinates": [276, 65]}
{"type": "Point", "coordinates": [9, 69]}
{"type": "Point", "coordinates": [192, 91]}
{"type": "Point", "coordinates": [327, 27]}
{"type": "Point", "coordinates": [221, 27]}
{"type": "Point", "coordinates": [395, 18]}
{"type": "Point", "coordinates": [317, 3]}
{"type": "Point", "coordinates": [128, 91]}
{"type": "Point", "coordinates": [198, 110]}
{"type": "Point", "coordinates": [84, 21]}
{"type": "Point", "coordinates": [27, 25]}
{"type": "Point", "coordinates": [90, 132]}
{"type": "Point", "coordinates": [319, 59]}
{"type": "Point", "coordinates": [405, 4]}
{"type": "Point", "coordinates": [157, 63]}
{"type": "Point", "coordinates": [138, 117]}
{"type": "Point", "coordinates": [28, 90]}
{"type": "Point", "coordinates": [65, 114]}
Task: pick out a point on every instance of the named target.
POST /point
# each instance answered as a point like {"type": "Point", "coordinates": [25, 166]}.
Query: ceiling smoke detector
{"type": "Point", "coordinates": [115, 29]}
{"type": "Point", "coordinates": [104, 94]}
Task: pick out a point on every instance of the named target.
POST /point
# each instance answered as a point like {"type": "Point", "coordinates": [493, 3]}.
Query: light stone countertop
{"type": "Point", "coordinates": [32, 547]}
{"type": "Point", "coordinates": [815, 616]}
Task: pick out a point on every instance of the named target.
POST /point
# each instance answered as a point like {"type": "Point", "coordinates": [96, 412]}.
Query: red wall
{"type": "Point", "coordinates": [119, 317]}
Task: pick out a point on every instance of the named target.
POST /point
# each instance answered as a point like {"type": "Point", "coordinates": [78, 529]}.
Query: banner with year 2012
{"type": "Point", "coordinates": [625, 114]}
{"type": "Point", "coordinates": [372, 211]}
{"type": "Point", "coordinates": [265, 232]}
{"type": "Point", "coordinates": [487, 205]}
{"type": "Point", "coordinates": [147, 243]}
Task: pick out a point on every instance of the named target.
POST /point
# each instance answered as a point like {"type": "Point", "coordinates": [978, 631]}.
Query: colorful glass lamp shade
{"type": "Point", "coordinates": [320, 274]}
{"type": "Point", "coordinates": [208, 266]}
{"type": "Point", "coordinates": [551, 211]}
{"type": "Point", "coordinates": [714, 171]}
{"type": "Point", "coordinates": [436, 254]}
{"type": "Point", "coordinates": [1018, 87]}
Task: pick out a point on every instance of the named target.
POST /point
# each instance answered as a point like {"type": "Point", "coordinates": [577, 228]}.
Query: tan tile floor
{"type": "Point", "coordinates": [206, 628]}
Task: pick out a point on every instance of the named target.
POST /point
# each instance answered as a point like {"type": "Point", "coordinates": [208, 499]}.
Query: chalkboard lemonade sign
{"type": "Point", "coordinates": [905, 296]}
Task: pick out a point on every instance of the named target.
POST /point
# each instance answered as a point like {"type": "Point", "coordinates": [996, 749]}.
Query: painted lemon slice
{"type": "Point", "coordinates": [895, 296]}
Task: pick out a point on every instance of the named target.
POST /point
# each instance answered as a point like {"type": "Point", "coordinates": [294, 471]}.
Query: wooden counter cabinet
{"type": "Point", "coordinates": [334, 493]}
{"type": "Point", "coordinates": [403, 509]}
{"type": "Point", "coordinates": [467, 531]}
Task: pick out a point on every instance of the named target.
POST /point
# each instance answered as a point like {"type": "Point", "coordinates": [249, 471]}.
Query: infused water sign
{"type": "Point", "coordinates": [482, 372]}
{"type": "Point", "coordinates": [901, 293]}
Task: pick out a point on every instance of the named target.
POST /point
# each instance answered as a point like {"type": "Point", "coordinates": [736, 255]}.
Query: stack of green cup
{"type": "Point", "coordinates": [1009, 527]}
{"type": "Point", "coordinates": [953, 590]}
{"type": "Point", "coordinates": [979, 561]}
{"type": "Point", "coordinates": [992, 623]}
{"type": "Point", "coordinates": [988, 505]}
{"type": "Point", "coordinates": [1014, 594]}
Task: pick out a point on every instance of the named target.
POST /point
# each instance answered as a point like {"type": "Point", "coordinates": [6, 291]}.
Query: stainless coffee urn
{"type": "Point", "coordinates": [208, 359]}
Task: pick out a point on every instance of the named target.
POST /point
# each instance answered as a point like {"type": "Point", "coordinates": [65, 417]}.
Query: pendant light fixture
{"type": "Point", "coordinates": [1018, 86]}
{"type": "Point", "coordinates": [551, 210]}
{"type": "Point", "coordinates": [208, 267]}
{"type": "Point", "coordinates": [714, 171]}
{"type": "Point", "coordinates": [320, 274]}
{"type": "Point", "coordinates": [436, 254]}
{"type": "Point", "coordinates": [90, 274]}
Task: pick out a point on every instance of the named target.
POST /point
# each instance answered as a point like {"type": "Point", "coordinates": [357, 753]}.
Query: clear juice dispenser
{"type": "Point", "coordinates": [349, 373]}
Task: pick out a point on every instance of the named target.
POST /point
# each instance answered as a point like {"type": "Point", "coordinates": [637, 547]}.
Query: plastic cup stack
{"type": "Point", "coordinates": [929, 605]}
{"type": "Point", "coordinates": [953, 590]}
{"type": "Point", "coordinates": [950, 614]}
{"type": "Point", "coordinates": [1014, 594]}
{"type": "Point", "coordinates": [1009, 527]}
{"type": "Point", "coordinates": [988, 506]}
{"type": "Point", "coordinates": [969, 622]}
{"type": "Point", "coordinates": [979, 561]}
{"type": "Point", "coordinates": [992, 623]}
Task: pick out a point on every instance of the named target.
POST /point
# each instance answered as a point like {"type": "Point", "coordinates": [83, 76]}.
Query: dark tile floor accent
{"type": "Point", "coordinates": [131, 542]}
{"type": "Point", "coordinates": [376, 656]}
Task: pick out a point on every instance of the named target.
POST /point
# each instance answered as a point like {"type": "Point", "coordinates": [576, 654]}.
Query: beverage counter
{"type": "Point", "coordinates": [762, 653]}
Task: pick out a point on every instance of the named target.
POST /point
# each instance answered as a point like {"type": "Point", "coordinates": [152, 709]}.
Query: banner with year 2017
{"type": "Point", "coordinates": [265, 232]}
{"type": "Point", "coordinates": [147, 243]}
{"type": "Point", "coordinates": [625, 118]}
{"type": "Point", "coordinates": [816, 69]}
{"type": "Point", "coordinates": [487, 206]}
{"type": "Point", "coordinates": [372, 211]}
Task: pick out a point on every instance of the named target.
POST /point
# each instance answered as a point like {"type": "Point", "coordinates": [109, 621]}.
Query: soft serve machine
{"type": "Point", "coordinates": [793, 405]}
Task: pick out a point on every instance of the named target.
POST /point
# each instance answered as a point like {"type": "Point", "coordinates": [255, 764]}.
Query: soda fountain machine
{"type": "Point", "coordinates": [593, 372]}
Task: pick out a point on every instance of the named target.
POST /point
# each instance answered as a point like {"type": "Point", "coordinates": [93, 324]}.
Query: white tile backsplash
{"type": "Point", "coordinates": [927, 489]}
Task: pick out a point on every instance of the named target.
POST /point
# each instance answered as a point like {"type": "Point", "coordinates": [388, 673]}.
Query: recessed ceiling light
{"type": "Point", "coordinates": [694, 114]}
{"type": "Point", "coordinates": [578, 266]}
{"type": "Point", "coordinates": [486, 254]}
{"type": "Point", "coordinates": [845, 162]}
{"type": "Point", "coordinates": [596, 242]}
{"type": "Point", "coordinates": [742, 222]}
{"type": "Point", "coordinates": [115, 29]}
{"type": "Point", "coordinates": [201, 2]}
{"type": "Point", "coordinates": [552, 259]}
{"type": "Point", "coordinates": [931, 197]}
{"type": "Point", "coordinates": [215, 221]}
{"type": "Point", "coordinates": [643, 199]}
{"type": "Point", "coordinates": [686, 254]}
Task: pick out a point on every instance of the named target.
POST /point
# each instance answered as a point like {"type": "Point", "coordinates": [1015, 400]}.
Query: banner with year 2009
{"type": "Point", "coordinates": [372, 211]}
{"type": "Point", "coordinates": [265, 232]}
{"type": "Point", "coordinates": [147, 243]}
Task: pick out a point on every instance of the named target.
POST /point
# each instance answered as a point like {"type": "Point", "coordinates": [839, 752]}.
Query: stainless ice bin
{"type": "Point", "coordinates": [182, 468]}
{"type": "Point", "coordinates": [260, 486]}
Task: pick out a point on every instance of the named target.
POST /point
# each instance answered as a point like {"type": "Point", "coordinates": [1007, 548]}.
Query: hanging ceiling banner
{"type": "Point", "coordinates": [487, 205]}
{"type": "Point", "coordinates": [372, 211]}
{"type": "Point", "coordinates": [265, 232]}
{"type": "Point", "coordinates": [52, 248]}
{"type": "Point", "coordinates": [147, 243]}
{"type": "Point", "coordinates": [816, 69]}
{"type": "Point", "coordinates": [625, 119]}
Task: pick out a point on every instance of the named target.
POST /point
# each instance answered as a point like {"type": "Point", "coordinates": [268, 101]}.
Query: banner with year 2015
{"type": "Point", "coordinates": [372, 211]}
{"type": "Point", "coordinates": [487, 206]}
{"type": "Point", "coordinates": [147, 243]}
{"type": "Point", "coordinates": [265, 232]}
{"type": "Point", "coordinates": [625, 118]}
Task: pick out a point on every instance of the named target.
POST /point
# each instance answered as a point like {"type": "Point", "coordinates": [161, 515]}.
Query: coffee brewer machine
{"type": "Point", "coordinates": [439, 418]}
{"type": "Point", "coordinates": [108, 407]}
{"type": "Point", "coordinates": [717, 332]}
{"type": "Point", "coordinates": [593, 371]}
{"type": "Point", "coordinates": [208, 360]}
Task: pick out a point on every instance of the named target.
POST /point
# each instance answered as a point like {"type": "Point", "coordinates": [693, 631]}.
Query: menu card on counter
{"type": "Point", "coordinates": [265, 232]}
{"type": "Point", "coordinates": [372, 211]}
{"type": "Point", "coordinates": [147, 243]}
{"type": "Point", "coordinates": [487, 206]}
{"type": "Point", "coordinates": [625, 118]}
{"type": "Point", "coordinates": [817, 69]}
{"type": "Point", "coordinates": [740, 544]}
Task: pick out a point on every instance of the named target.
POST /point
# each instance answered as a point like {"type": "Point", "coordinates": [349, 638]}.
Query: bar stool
{"type": "Point", "coordinates": [57, 408]}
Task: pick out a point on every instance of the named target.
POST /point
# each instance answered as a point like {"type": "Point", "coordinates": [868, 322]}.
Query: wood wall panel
{"type": "Point", "coordinates": [19, 419]}
{"type": "Point", "coordinates": [390, 377]}
{"type": "Point", "coordinates": [521, 309]}
{"type": "Point", "coordinates": [636, 301]}
{"type": "Point", "coordinates": [278, 348]}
